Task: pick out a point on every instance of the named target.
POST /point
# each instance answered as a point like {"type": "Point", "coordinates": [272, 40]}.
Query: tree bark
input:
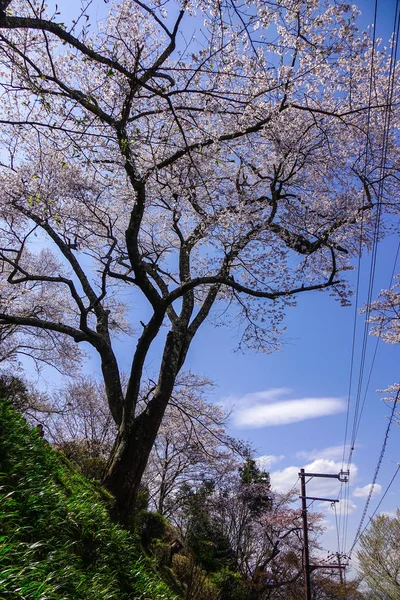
{"type": "Point", "coordinates": [136, 435]}
{"type": "Point", "coordinates": [128, 462]}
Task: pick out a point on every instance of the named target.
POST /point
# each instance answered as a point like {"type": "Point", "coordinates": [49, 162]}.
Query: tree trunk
{"type": "Point", "coordinates": [128, 462]}
{"type": "Point", "coordinates": [136, 437]}
{"type": "Point", "coordinates": [131, 453]}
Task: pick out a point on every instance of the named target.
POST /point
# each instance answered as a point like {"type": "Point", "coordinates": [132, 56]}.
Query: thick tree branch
{"type": "Point", "coordinates": [76, 334]}
{"type": "Point", "coordinates": [10, 22]}
{"type": "Point", "coordinates": [229, 282]}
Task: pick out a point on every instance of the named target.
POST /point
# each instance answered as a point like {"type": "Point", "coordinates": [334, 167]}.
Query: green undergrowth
{"type": "Point", "coordinates": [56, 538]}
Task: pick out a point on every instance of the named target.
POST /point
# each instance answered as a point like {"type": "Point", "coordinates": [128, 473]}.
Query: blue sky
{"type": "Point", "coordinates": [310, 375]}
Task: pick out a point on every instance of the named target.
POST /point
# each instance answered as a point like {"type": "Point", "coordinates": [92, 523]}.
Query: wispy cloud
{"type": "Point", "coordinates": [363, 492]}
{"type": "Point", "coordinates": [266, 409]}
{"type": "Point", "coordinates": [331, 453]}
{"type": "Point", "coordinates": [254, 398]}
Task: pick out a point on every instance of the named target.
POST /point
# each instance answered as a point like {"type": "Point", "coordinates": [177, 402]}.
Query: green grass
{"type": "Point", "coordinates": [56, 538]}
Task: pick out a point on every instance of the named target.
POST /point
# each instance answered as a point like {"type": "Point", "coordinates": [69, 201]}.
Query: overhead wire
{"type": "Point", "coordinates": [361, 235]}
{"type": "Point", "coordinates": [337, 528]}
{"type": "Point", "coordinates": [359, 407]}
{"type": "Point", "coordinates": [378, 338]}
{"type": "Point", "coordinates": [377, 227]}
{"type": "Point", "coordinates": [381, 500]}
{"type": "Point", "coordinates": [353, 344]}
{"type": "Point", "coordinates": [378, 466]}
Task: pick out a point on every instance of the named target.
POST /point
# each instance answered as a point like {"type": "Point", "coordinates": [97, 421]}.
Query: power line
{"type": "Point", "coordinates": [378, 466]}
{"type": "Point", "coordinates": [361, 233]}
{"type": "Point", "coordinates": [378, 339]}
{"type": "Point", "coordinates": [358, 411]}
{"type": "Point", "coordinates": [353, 345]}
{"type": "Point", "coordinates": [386, 127]}
{"type": "Point", "coordinates": [382, 499]}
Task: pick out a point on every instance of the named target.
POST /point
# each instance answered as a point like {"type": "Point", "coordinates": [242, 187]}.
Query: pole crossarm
{"type": "Point", "coordinates": [313, 567]}
{"type": "Point", "coordinates": [342, 476]}
{"type": "Point", "coordinates": [322, 499]}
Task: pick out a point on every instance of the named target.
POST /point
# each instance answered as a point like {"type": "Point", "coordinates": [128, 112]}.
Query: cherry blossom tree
{"type": "Point", "coordinates": [192, 446]}
{"type": "Point", "coordinates": [199, 159]}
{"type": "Point", "coordinates": [384, 315]}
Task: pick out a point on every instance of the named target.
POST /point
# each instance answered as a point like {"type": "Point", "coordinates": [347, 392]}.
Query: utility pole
{"type": "Point", "coordinates": [306, 553]}
{"type": "Point", "coordinates": [343, 477]}
{"type": "Point", "coordinates": [340, 570]}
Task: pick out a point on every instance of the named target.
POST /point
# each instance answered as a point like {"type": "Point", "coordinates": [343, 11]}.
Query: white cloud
{"type": "Point", "coordinates": [254, 397]}
{"type": "Point", "coordinates": [267, 460]}
{"type": "Point", "coordinates": [327, 526]}
{"type": "Point", "coordinates": [363, 492]}
{"type": "Point", "coordinates": [345, 507]}
{"type": "Point", "coordinates": [331, 453]}
{"type": "Point", "coordinates": [263, 409]}
{"type": "Point", "coordinates": [283, 481]}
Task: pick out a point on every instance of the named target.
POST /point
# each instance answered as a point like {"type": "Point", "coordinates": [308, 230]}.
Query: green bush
{"type": "Point", "coordinates": [207, 542]}
{"type": "Point", "coordinates": [195, 580]}
{"type": "Point", "coordinates": [231, 585]}
{"type": "Point", "coordinates": [151, 527]}
{"type": "Point", "coordinates": [162, 553]}
{"type": "Point", "coordinates": [57, 541]}
{"type": "Point", "coordinates": [90, 465]}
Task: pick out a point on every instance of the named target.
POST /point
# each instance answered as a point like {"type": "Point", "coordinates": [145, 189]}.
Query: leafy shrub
{"type": "Point", "coordinates": [196, 583]}
{"type": "Point", "coordinates": [231, 585]}
{"type": "Point", "coordinates": [210, 547]}
{"type": "Point", "coordinates": [151, 526]}
{"type": "Point", "coordinates": [162, 553]}
{"type": "Point", "coordinates": [90, 465]}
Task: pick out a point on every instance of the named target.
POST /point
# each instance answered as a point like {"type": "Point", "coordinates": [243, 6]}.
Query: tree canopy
{"type": "Point", "coordinates": [203, 160]}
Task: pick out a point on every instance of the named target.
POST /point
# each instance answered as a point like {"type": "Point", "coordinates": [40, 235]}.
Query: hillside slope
{"type": "Point", "coordinates": [57, 541]}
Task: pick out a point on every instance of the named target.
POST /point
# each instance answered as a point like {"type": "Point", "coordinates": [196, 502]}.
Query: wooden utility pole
{"type": "Point", "coordinates": [342, 476]}
{"type": "Point", "coordinates": [340, 567]}
{"type": "Point", "coordinates": [306, 553]}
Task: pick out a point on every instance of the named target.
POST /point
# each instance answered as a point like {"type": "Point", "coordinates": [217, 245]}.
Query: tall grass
{"type": "Point", "coordinates": [56, 538]}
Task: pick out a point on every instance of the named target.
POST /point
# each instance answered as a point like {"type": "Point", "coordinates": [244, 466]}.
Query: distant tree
{"type": "Point", "coordinates": [205, 534]}
{"type": "Point", "coordinates": [192, 445]}
{"type": "Point", "coordinates": [79, 417]}
{"type": "Point", "coordinates": [254, 529]}
{"type": "Point", "coordinates": [23, 396]}
{"type": "Point", "coordinates": [326, 585]}
{"type": "Point", "coordinates": [212, 176]}
{"type": "Point", "coordinates": [379, 557]}
{"type": "Point", "coordinates": [79, 423]}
